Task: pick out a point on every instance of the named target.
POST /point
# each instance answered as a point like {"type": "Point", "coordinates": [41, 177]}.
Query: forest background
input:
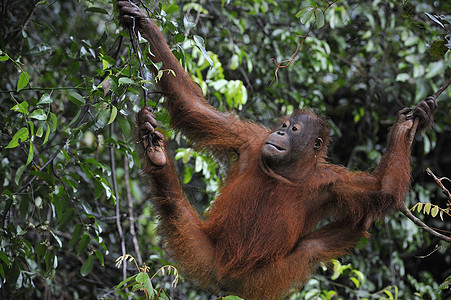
{"type": "Point", "coordinates": [73, 198]}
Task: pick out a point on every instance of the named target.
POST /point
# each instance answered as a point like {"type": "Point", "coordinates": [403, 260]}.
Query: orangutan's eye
{"type": "Point", "coordinates": [296, 127]}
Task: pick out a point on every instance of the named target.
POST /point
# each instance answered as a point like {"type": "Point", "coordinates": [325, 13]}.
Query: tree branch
{"type": "Point", "coordinates": [131, 218]}
{"type": "Point", "coordinates": [421, 224]}
{"type": "Point", "coordinates": [413, 130]}
{"type": "Point", "coordinates": [404, 208]}
{"type": "Point", "coordinates": [440, 183]}
{"type": "Point", "coordinates": [118, 211]}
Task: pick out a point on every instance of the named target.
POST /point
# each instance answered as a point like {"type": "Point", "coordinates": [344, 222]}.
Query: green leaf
{"type": "Point", "coordinates": [67, 216]}
{"type": "Point", "coordinates": [87, 266]}
{"type": "Point", "coordinates": [76, 98]}
{"type": "Point", "coordinates": [54, 121]}
{"type": "Point", "coordinates": [188, 24]}
{"type": "Point", "coordinates": [39, 114]}
{"type": "Point", "coordinates": [438, 49]}
{"type": "Point", "coordinates": [70, 183]}
{"type": "Point", "coordinates": [300, 13]}
{"type": "Point", "coordinates": [125, 80]}
{"type": "Point", "coordinates": [41, 249]}
{"type": "Point", "coordinates": [24, 78]}
{"type": "Point", "coordinates": [57, 239]}
{"type": "Point", "coordinates": [419, 206]}
{"type": "Point", "coordinates": [434, 211]}
{"type": "Point", "coordinates": [436, 20]}
{"type": "Point", "coordinates": [106, 188]}
{"type": "Point", "coordinates": [97, 10]}
{"type": "Point", "coordinates": [31, 128]}
{"type": "Point", "coordinates": [83, 243]}
{"type": "Point", "coordinates": [319, 18]}
{"type": "Point", "coordinates": [44, 176]}
{"type": "Point", "coordinates": [101, 120]}
{"type": "Point", "coordinates": [7, 193]}
{"type": "Point", "coordinates": [21, 135]}
{"type": "Point", "coordinates": [234, 62]}
{"type": "Point", "coordinates": [66, 155]}
{"type": "Point", "coordinates": [14, 273]}
{"type": "Point", "coordinates": [125, 125]}
{"type": "Point", "coordinates": [39, 132]}
{"type": "Point", "coordinates": [144, 279]}
{"type": "Point", "coordinates": [307, 15]}
{"type": "Point", "coordinates": [179, 37]}
{"type": "Point", "coordinates": [445, 284]}
{"type": "Point", "coordinates": [105, 65]}
{"type": "Point", "coordinates": [123, 282]}
{"type": "Point", "coordinates": [47, 134]}
{"type": "Point", "coordinates": [198, 164]}
{"type": "Point", "coordinates": [188, 175]}
{"type": "Point", "coordinates": [113, 115]}
{"type": "Point", "coordinates": [389, 294]}
{"type": "Point", "coordinates": [27, 247]}
{"type": "Point", "coordinates": [337, 269]}
{"type": "Point", "coordinates": [3, 56]}
{"type": "Point", "coordinates": [200, 44]}
{"type": "Point", "coordinates": [5, 258]}
{"type": "Point", "coordinates": [402, 77]}
{"type": "Point", "coordinates": [76, 235]}
{"type": "Point", "coordinates": [172, 9]}
{"type": "Point", "coordinates": [2, 272]}
{"type": "Point", "coordinates": [30, 154]}
{"type": "Point", "coordinates": [355, 281]}
{"type": "Point", "coordinates": [100, 257]}
{"type": "Point", "coordinates": [45, 99]}
{"type": "Point", "coordinates": [19, 174]}
{"type": "Point", "coordinates": [21, 107]}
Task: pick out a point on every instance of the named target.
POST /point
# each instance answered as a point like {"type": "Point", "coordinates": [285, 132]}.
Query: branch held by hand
{"type": "Point", "coordinates": [404, 209]}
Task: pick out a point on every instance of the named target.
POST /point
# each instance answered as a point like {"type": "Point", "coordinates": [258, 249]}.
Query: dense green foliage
{"type": "Point", "coordinates": [73, 199]}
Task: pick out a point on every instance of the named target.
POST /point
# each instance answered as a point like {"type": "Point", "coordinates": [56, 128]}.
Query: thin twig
{"type": "Point", "coordinates": [413, 130]}
{"type": "Point", "coordinates": [131, 218]}
{"type": "Point", "coordinates": [137, 50]}
{"type": "Point", "coordinates": [440, 183]}
{"type": "Point", "coordinates": [116, 195]}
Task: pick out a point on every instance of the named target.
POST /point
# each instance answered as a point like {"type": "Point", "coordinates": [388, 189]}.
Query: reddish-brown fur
{"type": "Point", "coordinates": [259, 238]}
